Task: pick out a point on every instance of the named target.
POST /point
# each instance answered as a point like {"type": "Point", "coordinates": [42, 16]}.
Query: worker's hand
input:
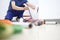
{"type": "Point", "coordinates": [33, 7]}
{"type": "Point", "coordinates": [26, 8]}
{"type": "Point", "coordinates": [36, 8]}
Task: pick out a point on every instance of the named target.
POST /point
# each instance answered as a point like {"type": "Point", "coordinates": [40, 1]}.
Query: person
{"type": "Point", "coordinates": [16, 9]}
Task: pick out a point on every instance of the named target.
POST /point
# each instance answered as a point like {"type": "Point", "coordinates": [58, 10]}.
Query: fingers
{"type": "Point", "coordinates": [26, 8]}
{"type": "Point", "coordinates": [35, 8]}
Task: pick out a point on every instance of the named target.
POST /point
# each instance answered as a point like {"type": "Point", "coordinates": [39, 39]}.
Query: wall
{"type": "Point", "coordinates": [3, 8]}
{"type": "Point", "coordinates": [49, 9]}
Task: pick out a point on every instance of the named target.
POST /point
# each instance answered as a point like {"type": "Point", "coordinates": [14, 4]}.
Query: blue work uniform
{"type": "Point", "coordinates": [12, 13]}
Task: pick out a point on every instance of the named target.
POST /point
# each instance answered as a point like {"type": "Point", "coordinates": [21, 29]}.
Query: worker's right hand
{"type": "Point", "coordinates": [26, 8]}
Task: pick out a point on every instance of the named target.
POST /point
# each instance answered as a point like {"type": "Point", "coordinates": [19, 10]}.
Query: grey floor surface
{"type": "Point", "coordinates": [44, 32]}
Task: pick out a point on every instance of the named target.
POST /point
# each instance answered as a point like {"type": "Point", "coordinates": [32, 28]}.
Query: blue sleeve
{"type": "Point", "coordinates": [12, 0]}
{"type": "Point", "coordinates": [25, 1]}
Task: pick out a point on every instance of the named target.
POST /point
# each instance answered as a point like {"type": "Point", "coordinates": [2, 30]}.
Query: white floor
{"type": "Point", "coordinates": [44, 32]}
